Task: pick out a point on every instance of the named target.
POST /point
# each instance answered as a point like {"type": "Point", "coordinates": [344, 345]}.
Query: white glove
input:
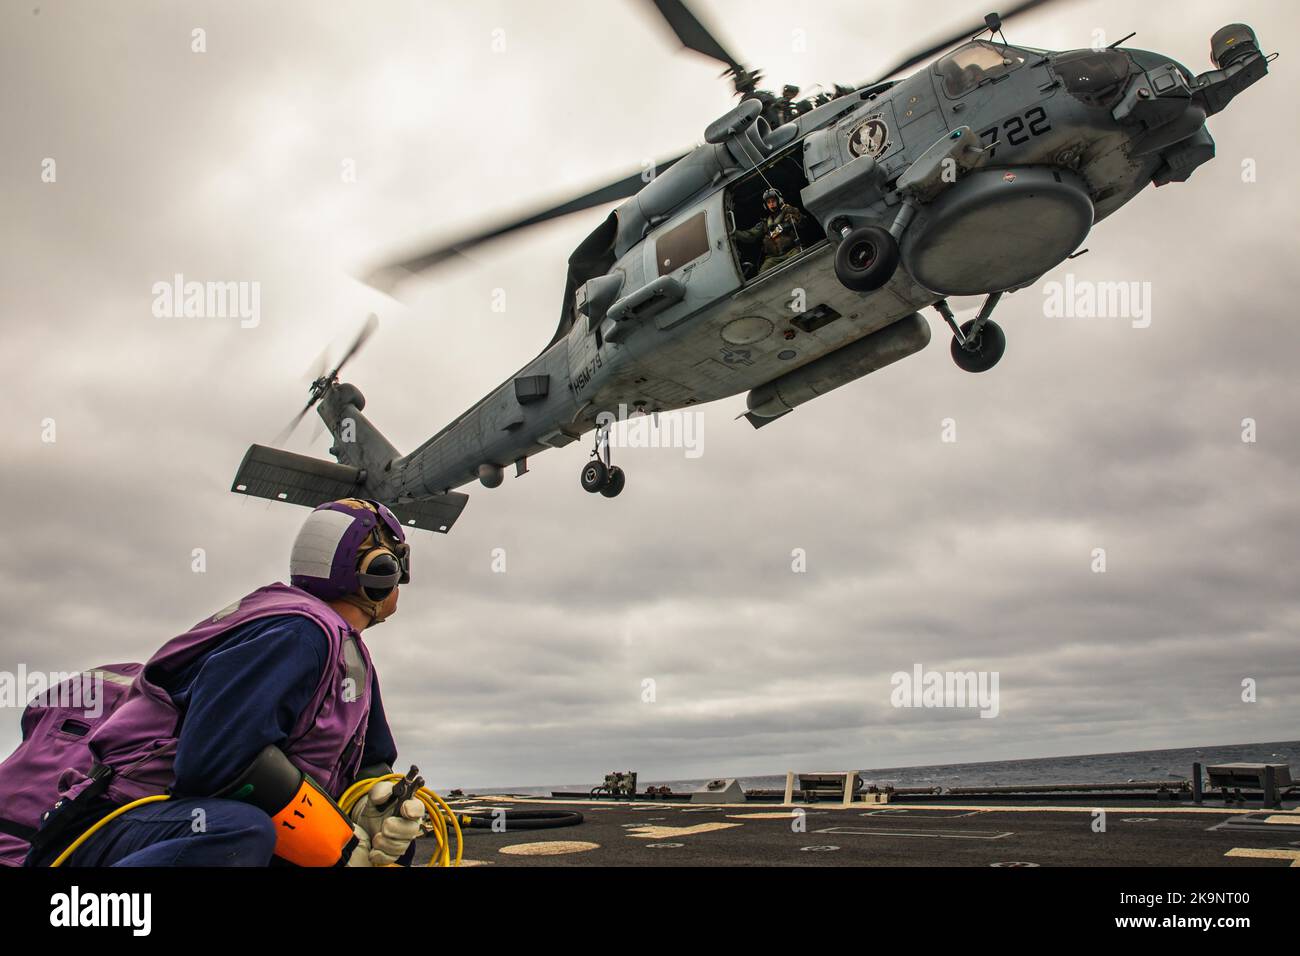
{"type": "Point", "coordinates": [386, 832]}
{"type": "Point", "coordinates": [361, 852]}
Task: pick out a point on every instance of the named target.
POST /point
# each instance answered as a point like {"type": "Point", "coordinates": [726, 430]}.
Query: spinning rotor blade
{"type": "Point", "coordinates": [367, 330]}
{"type": "Point", "coordinates": [694, 35]}
{"type": "Point", "coordinates": [386, 277]}
{"type": "Point", "coordinates": [287, 430]}
{"type": "Point", "coordinates": [318, 367]}
{"type": "Point", "coordinates": [920, 56]}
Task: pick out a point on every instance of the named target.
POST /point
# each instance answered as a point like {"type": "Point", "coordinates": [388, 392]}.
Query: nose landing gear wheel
{"type": "Point", "coordinates": [866, 258]}
{"type": "Point", "coordinates": [595, 476]}
{"type": "Point", "coordinates": [617, 478]}
{"type": "Point", "coordinates": [982, 351]}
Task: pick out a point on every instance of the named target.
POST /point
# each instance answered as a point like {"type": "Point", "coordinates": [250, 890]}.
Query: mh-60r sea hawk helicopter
{"type": "Point", "coordinates": [973, 176]}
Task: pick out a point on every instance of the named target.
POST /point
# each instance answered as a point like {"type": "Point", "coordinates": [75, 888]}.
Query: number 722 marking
{"type": "Point", "coordinates": [1017, 130]}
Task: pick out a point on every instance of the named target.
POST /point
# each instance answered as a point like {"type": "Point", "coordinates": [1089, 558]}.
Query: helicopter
{"type": "Point", "coordinates": [972, 176]}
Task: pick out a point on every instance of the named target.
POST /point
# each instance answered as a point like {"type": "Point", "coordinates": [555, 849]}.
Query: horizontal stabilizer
{"type": "Point", "coordinates": [302, 480]}
{"type": "Point", "coordinates": [437, 513]}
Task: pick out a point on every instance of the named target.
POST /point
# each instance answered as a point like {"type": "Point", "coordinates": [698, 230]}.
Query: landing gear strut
{"type": "Point", "coordinates": [598, 475]}
{"type": "Point", "coordinates": [977, 345]}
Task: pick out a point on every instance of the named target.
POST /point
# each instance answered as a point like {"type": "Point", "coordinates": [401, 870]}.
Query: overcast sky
{"type": "Point", "coordinates": [970, 555]}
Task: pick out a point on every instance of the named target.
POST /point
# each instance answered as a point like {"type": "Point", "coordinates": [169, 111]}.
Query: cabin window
{"type": "Point", "coordinates": [966, 68]}
{"type": "Point", "coordinates": [682, 244]}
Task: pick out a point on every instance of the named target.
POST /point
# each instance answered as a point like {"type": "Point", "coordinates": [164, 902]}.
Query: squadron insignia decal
{"type": "Point", "coordinates": [870, 139]}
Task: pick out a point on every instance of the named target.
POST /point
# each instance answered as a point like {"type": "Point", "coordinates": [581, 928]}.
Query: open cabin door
{"type": "Point", "coordinates": [745, 211]}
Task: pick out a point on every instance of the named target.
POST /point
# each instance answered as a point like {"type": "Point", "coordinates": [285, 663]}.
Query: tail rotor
{"type": "Point", "coordinates": [323, 381]}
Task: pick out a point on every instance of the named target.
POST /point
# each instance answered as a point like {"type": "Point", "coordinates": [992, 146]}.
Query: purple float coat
{"type": "Point", "coordinates": [138, 741]}
{"type": "Point", "coordinates": [54, 726]}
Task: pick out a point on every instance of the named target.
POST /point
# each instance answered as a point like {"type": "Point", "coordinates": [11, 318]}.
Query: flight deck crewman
{"type": "Point", "coordinates": [778, 229]}
{"type": "Point", "coordinates": [255, 721]}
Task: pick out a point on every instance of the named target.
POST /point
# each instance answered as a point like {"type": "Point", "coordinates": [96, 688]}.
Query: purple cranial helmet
{"type": "Point", "coordinates": [351, 549]}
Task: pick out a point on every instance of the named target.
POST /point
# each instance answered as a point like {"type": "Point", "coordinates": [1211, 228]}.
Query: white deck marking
{"type": "Point", "coordinates": [549, 848]}
{"type": "Point", "coordinates": [662, 833]}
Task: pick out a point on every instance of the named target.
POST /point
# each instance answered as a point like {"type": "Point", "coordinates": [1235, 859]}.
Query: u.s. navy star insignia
{"type": "Point", "coordinates": [737, 356]}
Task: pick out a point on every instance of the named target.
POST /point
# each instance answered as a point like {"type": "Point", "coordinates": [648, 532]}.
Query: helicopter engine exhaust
{"type": "Point", "coordinates": [883, 347]}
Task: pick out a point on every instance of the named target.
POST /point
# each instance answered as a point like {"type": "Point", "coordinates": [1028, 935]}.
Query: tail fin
{"type": "Point", "coordinates": [356, 442]}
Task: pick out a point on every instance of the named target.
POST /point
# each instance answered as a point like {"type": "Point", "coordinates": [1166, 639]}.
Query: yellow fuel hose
{"type": "Point", "coordinates": [439, 814]}
{"type": "Point", "coordinates": [58, 861]}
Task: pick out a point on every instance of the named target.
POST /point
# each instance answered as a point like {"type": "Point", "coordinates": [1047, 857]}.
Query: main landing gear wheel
{"type": "Point", "coordinates": [617, 478]}
{"type": "Point", "coordinates": [595, 476]}
{"type": "Point", "coordinates": [866, 258]}
{"type": "Point", "coordinates": [981, 351]}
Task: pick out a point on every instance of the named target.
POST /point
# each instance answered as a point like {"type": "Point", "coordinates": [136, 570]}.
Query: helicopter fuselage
{"type": "Point", "coordinates": [1027, 149]}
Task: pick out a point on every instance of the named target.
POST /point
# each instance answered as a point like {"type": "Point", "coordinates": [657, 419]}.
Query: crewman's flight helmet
{"type": "Point", "coordinates": [772, 193]}
{"type": "Point", "coordinates": [352, 549]}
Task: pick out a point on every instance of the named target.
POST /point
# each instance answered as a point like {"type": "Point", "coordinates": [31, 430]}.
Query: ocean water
{"type": "Point", "coordinates": [1141, 765]}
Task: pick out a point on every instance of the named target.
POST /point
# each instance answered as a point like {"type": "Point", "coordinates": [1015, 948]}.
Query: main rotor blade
{"type": "Point", "coordinates": [386, 277]}
{"type": "Point", "coordinates": [318, 367]}
{"type": "Point", "coordinates": [920, 56]}
{"type": "Point", "coordinates": [693, 34]}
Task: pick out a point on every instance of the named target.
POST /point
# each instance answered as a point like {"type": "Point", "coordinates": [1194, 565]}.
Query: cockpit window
{"type": "Point", "coordinates": [967, 67]}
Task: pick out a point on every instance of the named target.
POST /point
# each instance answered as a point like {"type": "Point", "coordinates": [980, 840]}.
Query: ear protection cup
{"type": "Point", "coordinates": [379, 572]}
{"type": "Point", "coordinates": [353, 549]}
{"type": "Point", "coordinates": [386, 564]}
